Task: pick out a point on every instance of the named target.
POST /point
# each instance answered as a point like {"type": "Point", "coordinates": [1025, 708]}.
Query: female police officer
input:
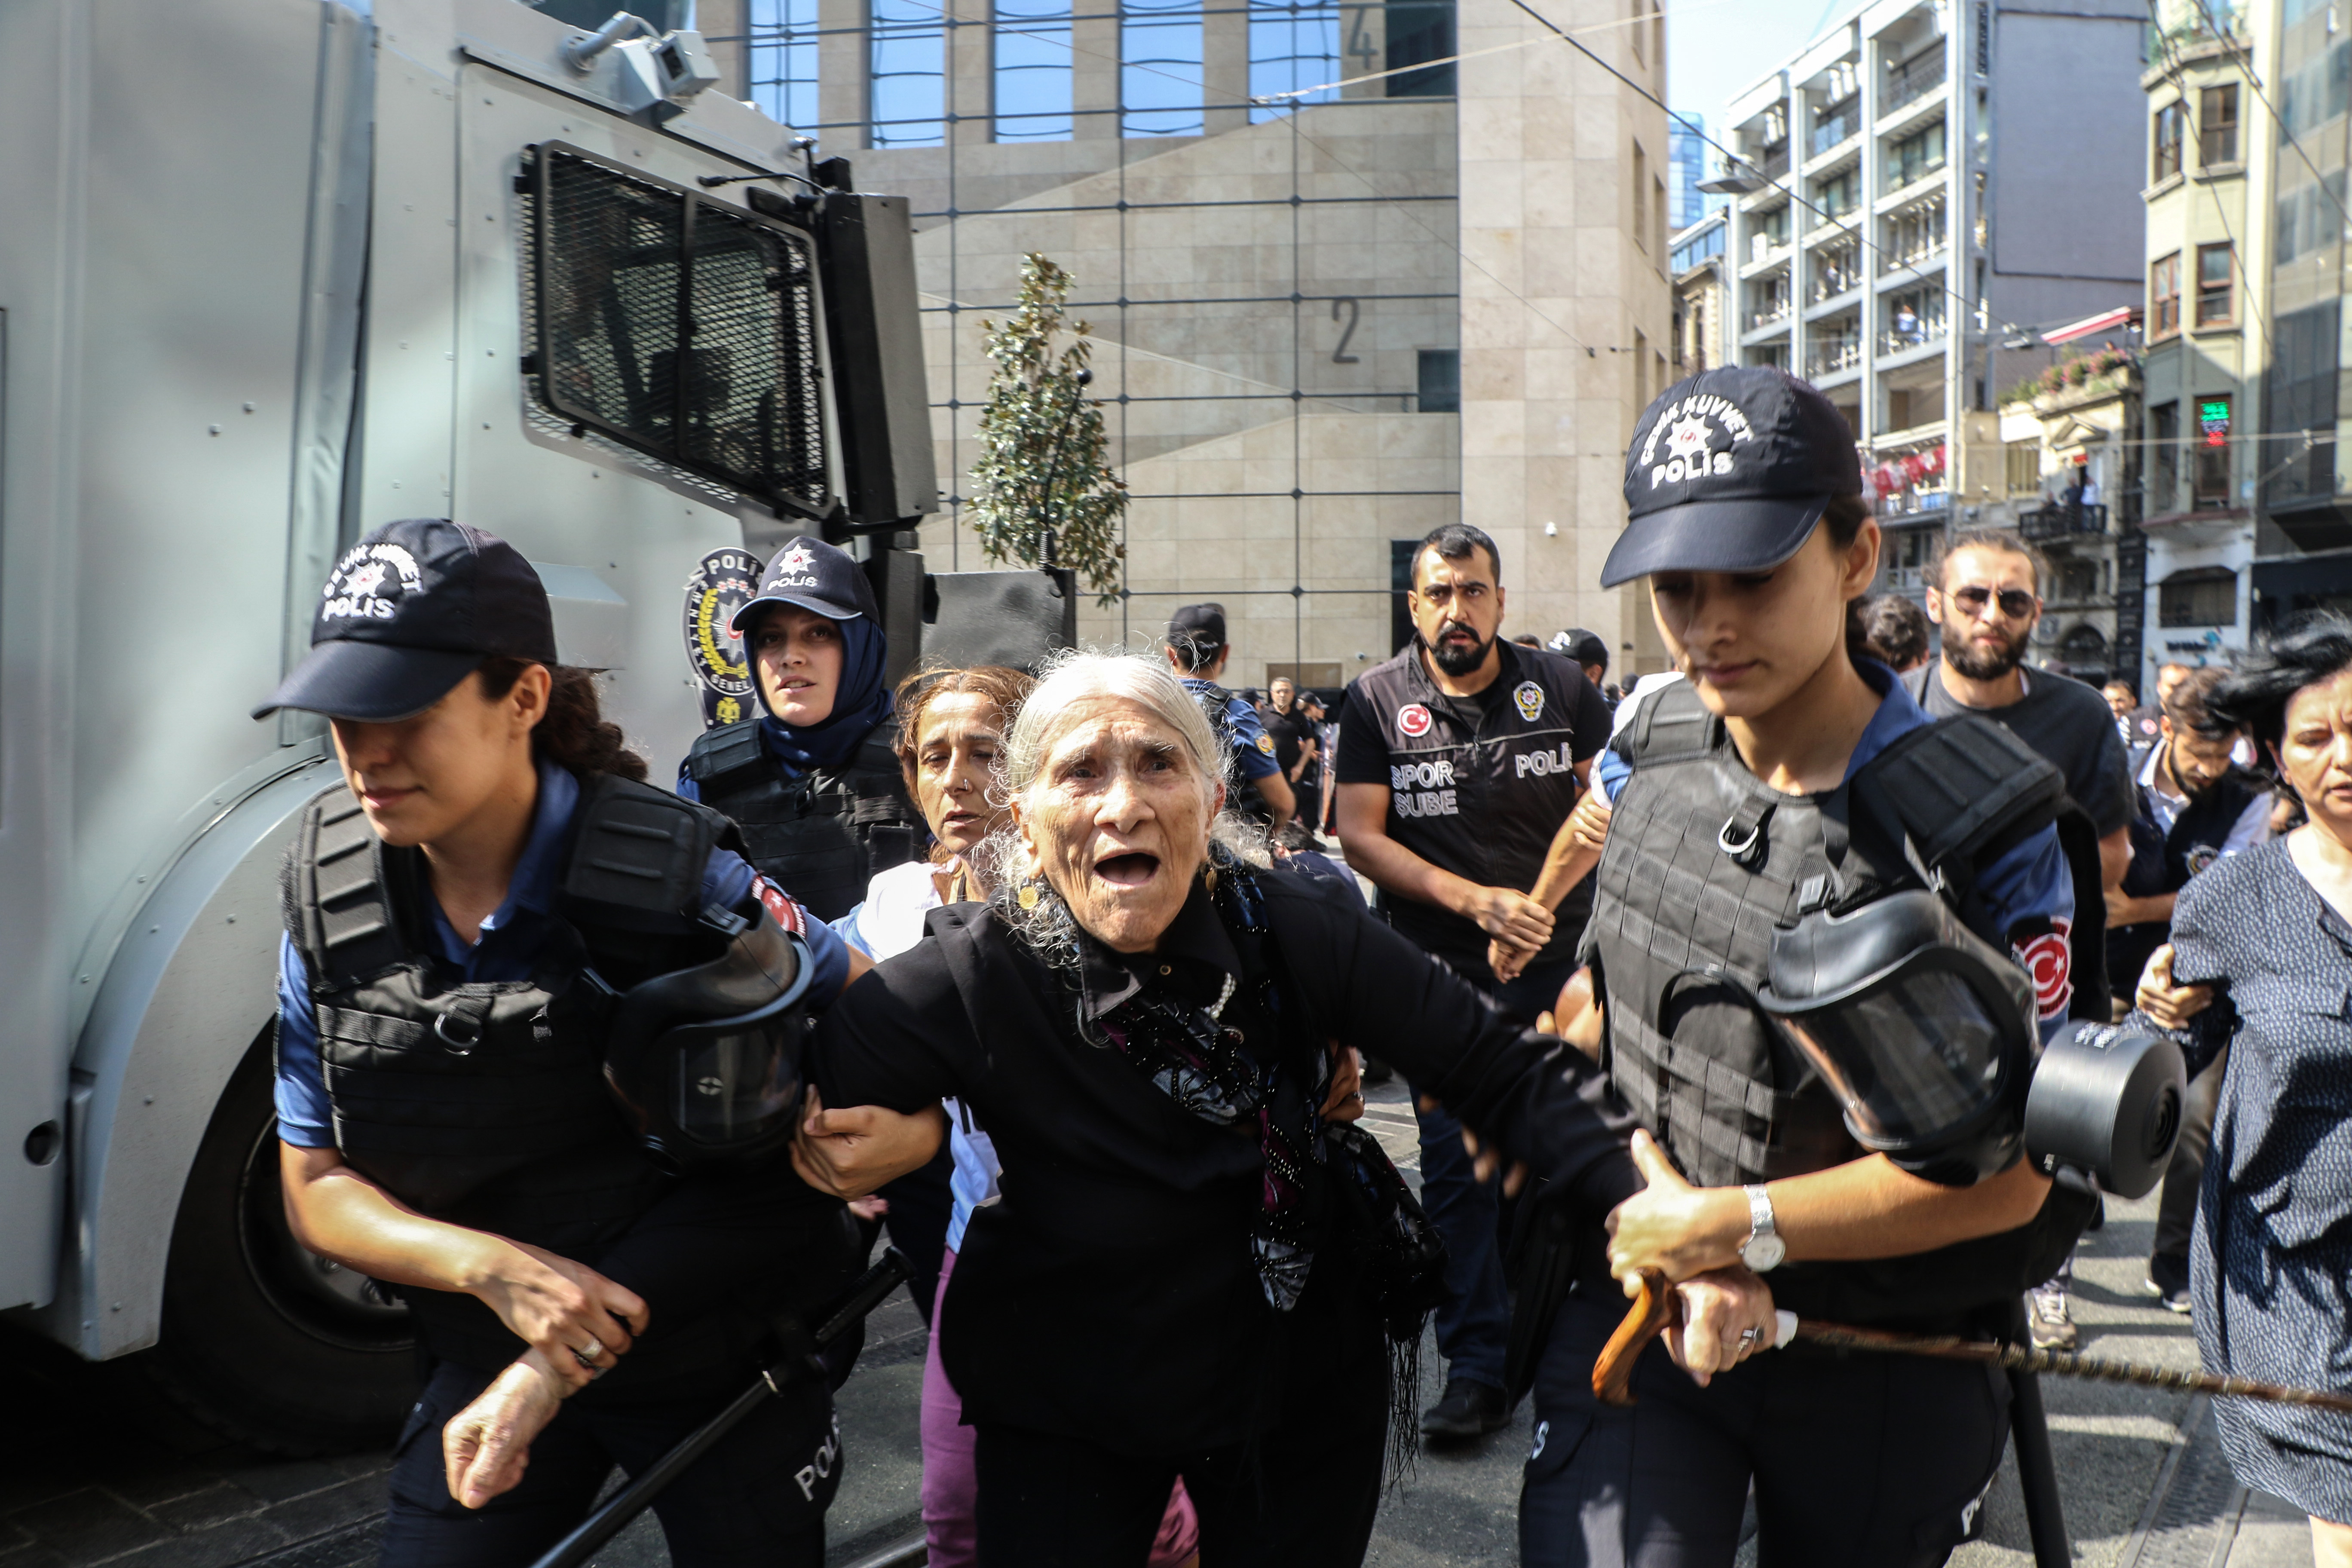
{"type": "Point", "coordinates": [813, 782]}
{"type": "Point", "coordinates": [1786, 781]}
{"type": "Point", "coordinates": [488, 923]}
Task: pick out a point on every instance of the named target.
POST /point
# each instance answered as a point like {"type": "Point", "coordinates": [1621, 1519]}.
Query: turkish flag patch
{"type": "Point", "coordinates": [2043, 947]}
{"type": "Point", "coordinates": [788, 914]}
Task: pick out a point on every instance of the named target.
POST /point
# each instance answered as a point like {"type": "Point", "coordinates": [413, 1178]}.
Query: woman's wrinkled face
{"type": "Point", "coordinates": [1118, 820]}
{"type": "Point", "coordinates": [1748, 641]}
{"type": "Point", "coordinates": [2315, 751]}
{"type": "Point", "coordinates": [955, 769]}
{"type": "Point", "coordinates": [420, 779]}
{"type": "Point", "coordinates": [798, 654]}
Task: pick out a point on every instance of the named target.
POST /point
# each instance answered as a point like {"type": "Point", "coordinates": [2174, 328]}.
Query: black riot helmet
{"type": "Point", "coordinates": [706, 1060]}
{"type": "Point", "coordinates": [1923, 1030]}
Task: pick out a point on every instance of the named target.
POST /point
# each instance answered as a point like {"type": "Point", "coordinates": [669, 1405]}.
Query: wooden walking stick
{"type": "Point", "coordinates": [1656, 1306]}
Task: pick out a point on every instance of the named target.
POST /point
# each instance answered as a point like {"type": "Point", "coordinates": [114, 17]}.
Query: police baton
{"type": "Point", "coordinates": [798, 1361]}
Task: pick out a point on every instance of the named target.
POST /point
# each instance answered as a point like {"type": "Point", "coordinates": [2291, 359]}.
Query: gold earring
{"type": "Point", "coordinates": [1027, 896]}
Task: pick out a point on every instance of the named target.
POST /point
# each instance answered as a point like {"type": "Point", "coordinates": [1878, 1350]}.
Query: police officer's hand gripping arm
{"type": "Point", "coordinates": [1503, 914]}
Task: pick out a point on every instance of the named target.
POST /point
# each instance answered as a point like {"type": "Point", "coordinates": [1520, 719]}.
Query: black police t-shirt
{"type": "Point", "coordinates": [2066, 722]}
{"type": "Point", "coordinates": [1477, 785]}
{"type": "Point", "coordinates": [1287, 731]}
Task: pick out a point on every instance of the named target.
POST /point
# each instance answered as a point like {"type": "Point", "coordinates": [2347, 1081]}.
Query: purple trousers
{"type": "Point", "coordinates": [949, 1491]}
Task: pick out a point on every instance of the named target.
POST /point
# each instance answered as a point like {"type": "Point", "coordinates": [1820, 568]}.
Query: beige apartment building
{"type": "Point", "coordinates": [1411, 290]}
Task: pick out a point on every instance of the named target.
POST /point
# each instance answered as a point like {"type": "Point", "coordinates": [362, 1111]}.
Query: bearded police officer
{"type": "Point", "coordinates": [1780, 816]}
{"type": "Point", "coordinates": [1198, 652]}
{"type": "Point", "coordinates": [1459, 762]}
{"type": "Point", "coordinates": [508, 964]}
{"type": "Point", "coordinates": [813, 782]}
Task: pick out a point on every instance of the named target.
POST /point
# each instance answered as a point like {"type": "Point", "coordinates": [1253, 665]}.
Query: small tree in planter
{"type": "Point", "coordinates": [1042, 493]}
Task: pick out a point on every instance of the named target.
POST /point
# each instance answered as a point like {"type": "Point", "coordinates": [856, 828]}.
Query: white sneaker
{"type": "Point", "coordinates": [2047, 1320]}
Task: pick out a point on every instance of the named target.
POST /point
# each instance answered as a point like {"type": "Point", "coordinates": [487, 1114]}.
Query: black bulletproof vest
{"type": "Point", "coordinates": [485, 1103]}
{"type": "Point", "coordinates": [2163, 862]}
{"type": "Point", "coordinates": [1703, 864]}
{"type": "Point", "coordinates": [821, 837]}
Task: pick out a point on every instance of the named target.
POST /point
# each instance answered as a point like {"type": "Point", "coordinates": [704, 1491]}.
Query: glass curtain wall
{"type": "Point", "coordinates": [1270, 270]}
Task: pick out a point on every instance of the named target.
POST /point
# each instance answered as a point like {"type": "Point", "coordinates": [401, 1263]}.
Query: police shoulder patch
{"type": "Point", "coordinates": [1265, 742]}
{"type": "Point", "coordinates": [1530, 697]}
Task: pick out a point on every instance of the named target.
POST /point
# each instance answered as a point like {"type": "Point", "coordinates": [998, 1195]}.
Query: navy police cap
{"type": "Point", "coordinates": [820, 578]}
{"type": "Point", "coordinates": [1729, 471]}
{"type": "Point", "coordinates": [408, 611]}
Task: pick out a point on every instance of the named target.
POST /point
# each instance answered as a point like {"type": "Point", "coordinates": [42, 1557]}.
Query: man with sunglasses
{"type": "Point", "coordinates": [1986, 596]}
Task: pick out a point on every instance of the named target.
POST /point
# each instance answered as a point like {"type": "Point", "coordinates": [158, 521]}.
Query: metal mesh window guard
{"type": "Point", "coordinates": [782, 44]}
{"type": "Point", "coordinates": [679, 326]}
{"type": "Point", "coordinates": [1033, 71]}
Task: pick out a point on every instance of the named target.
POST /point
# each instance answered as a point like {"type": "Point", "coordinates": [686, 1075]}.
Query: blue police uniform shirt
{"type": "Point", "coordinates": [2030, 886]}
{"type": "Point", "coordinates": [1253, 747]}
{"type": "Point", "coordinates": [511, 942]}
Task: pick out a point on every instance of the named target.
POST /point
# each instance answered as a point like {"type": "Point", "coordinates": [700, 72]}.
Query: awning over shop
{"type": "Point", "coordinates": [2106, 321]}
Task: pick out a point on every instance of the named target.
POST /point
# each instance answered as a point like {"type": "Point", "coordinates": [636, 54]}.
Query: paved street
{"type": "Point", "coordinates": [100, 1470]}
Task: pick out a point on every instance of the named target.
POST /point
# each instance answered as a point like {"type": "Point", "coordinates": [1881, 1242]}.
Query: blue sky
{"type": "Point", "coordinates": [1715, 47]}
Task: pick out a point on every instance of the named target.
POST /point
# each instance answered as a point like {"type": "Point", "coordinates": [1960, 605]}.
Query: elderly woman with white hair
{"type": "Point", "coordinates": [1195, 1264]}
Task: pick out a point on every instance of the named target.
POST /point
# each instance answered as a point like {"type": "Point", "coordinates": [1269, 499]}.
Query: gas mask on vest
{"type": "Point", "coordinates": [1924, 1032]}
{"type": "Point", "coordinates": [706, 1060]}
{"type": "Point", "coordinates": [1927, 1034]}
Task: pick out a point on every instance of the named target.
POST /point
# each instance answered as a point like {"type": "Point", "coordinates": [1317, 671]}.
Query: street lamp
{"type": "Point", "coordinates": [1737, 180]}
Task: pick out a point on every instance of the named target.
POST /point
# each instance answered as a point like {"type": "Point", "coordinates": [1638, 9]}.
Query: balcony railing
{"type": "Point", "coordinates": [2057, 520]}
{"type": "Point", "coordinates": [1907, 256]}
{"type": "Point", "coordinates": [1835, 355]}
{"type": "Point", "coordinates": [1775, 164]}
{"type": "Point", "coordinates": [1830, 284]}
{"type": "Point", "coordinates": [1919, 335]}
{"type": "Point", "coordinates": [1837, 128]}
{"type": "Point", "coordinates": [1911, 85]}
{"type": "Point", "coordinates": [1759, 320]}
{"type": "Point", "coordinates": [1763, 245]}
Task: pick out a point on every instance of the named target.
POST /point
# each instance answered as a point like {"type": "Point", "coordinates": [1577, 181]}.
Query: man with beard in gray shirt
{"type": "Point", "coordinates": [1986, 594]}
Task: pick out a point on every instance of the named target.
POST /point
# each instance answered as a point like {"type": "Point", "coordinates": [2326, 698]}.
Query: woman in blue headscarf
{"type": "Point", "coordinates": [813, 781]}
{"type": "Point", "coordinates": [814, 784]}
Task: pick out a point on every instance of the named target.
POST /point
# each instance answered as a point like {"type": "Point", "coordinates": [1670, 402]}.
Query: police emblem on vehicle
{"type": "Point", "coordinates": [1529, 698]}
{"type": "Point", "coordinates": [1413, 721]}
{"type": "Point", "coordinates": [724, 581]}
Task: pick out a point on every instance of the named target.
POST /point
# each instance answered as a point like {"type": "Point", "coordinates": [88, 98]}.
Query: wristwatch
{"type": "Point", "coordinates": [1764, 1249]}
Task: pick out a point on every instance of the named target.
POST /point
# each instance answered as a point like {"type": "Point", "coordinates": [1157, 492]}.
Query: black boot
{"type": "Point", "coordinates": [1469, 1409]}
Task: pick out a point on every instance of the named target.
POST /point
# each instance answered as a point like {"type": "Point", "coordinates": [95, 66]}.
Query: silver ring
{"type": "Point", "coordinates": [1751, 1337]}
{"type": "Point", "coordinates": [587, 1358]}
{"type": "Point", "coordinates": [1353, 1094]}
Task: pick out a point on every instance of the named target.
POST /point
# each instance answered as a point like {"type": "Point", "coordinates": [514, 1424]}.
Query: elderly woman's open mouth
{"type": "Point", "coordinates": [1128, 867]}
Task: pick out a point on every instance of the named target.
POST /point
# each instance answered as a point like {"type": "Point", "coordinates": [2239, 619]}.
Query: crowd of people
{"type": "Point", "coordinates": [1071, 977]}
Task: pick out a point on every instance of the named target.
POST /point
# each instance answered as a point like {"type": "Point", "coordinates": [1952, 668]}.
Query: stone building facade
{"type": "Point", "coordinates": [1411, 291]}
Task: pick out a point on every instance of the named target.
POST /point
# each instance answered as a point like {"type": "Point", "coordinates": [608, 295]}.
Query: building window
{"type": "Point", "coordinates": [1915, 156]}
{"type": "Point", "coordinates": [2164, 453]}
{"type": "Point", "coordinates": [1033, 71]}
{"type": "Point", "coordinates": [1293, 45]}
{"type": "Point", "coordinates": [1159, 67]}
{"type": "Point", "coordinates": [908, 58]}
{"type": "Point", "coordinates": [2163, 297]}
{"type": "Point", "coordinates": [2168, 129]}
{"type": "Point", "coordinates": [783, 47]}
{"type": "Point", "coordinates": [2023, 461]}
{"type": "Point", "coordinates": [1840, 193]}
{"type": "Point", "coordinates": [2215, 302]}
{"type": "Point", "coordinates": [1910, 553]}
{"type": "Point", "coordinates": [1418, 33]}
{"type": "Point", "coordinates": [1441, 380]}
{"type": "Point", "coordinates": [1658, 214]}
{"type": "Point", "coordinates": [2217, 126]}
{"type": "Point", "coordinates": [2213, 451]}
{"type": "Point", "coordinates": [2204, 596]}
{"type": "Point", "coordinates": [1641, 191]}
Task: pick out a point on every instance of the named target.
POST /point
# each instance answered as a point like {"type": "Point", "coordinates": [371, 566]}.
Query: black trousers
{"type": "Point", "coordinates": [1859, 1461]}
{"type": "Point", "coordinates": [756, 1500]}
{"type": "Point", "coordinates": [1301, 1496]}
{"type": "Point", "coordinates": [2184, 1178]}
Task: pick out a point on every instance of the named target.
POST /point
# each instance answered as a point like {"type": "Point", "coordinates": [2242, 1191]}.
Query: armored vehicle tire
{"type": "Point", "coordinates": [263, 1340]}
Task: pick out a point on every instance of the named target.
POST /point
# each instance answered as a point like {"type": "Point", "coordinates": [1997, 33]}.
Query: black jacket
{"type": "Point", "coordinates": [1109, 1294]}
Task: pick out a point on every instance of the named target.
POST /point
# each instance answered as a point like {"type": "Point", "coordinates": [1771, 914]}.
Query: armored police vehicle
{"type": "Point", "coordinates": [273, 272]}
